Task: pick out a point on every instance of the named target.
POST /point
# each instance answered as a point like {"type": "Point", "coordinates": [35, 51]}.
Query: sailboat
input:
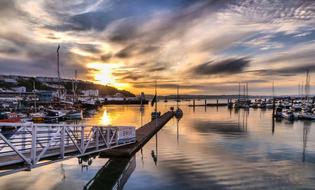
{"type": "Point", "coordinates": [155, 114]}
{"type": "Point", "coordinates": [178, 113]}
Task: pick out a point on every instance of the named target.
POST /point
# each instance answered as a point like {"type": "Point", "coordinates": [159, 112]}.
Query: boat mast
{"type": "Point", "coordinates": [177, 97]}
{"type": "Point", "coordinates": [247, 92]}
{"type": "Point", "coordinates": [58, 72]}
{"type": "Point", "coordinates": [34, 92]}
{"type": "Point", "coordinates": [239, 91]}
{"type": "Point", "coordinates": [155, 108]}
{"type": "Point", "coordinates": [273, 89]}
{"type": "Point", "coordinates": [307, 85]}
{"type": "Point", "coordinates": [74, 85]}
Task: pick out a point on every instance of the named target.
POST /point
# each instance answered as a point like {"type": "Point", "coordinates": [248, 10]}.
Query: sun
{"type": "Point", "coordinates": [103, 74]}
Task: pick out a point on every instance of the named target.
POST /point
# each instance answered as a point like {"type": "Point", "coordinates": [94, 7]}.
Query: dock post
{"type": "Point", "coordinates": [97, 138]}
{"type": "Point", "coordinates": [62, 142]}
{"type": "Point", "coordinates": [194, 104]}
{"type": "Point", "coordinates": [205, 102]}
{"type": "Point", "coordinates": [217, 102]}
{"type": "Point", "coordinates": [108, 137]}
{"type": "Point", "coordinates": [34, 144]}
{"type": "Point", "coordinates": [82, 139]}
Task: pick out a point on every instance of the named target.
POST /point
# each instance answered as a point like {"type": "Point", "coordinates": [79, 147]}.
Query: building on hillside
{"type": "Point", "coordinates": [19, 89]}
{"type": "Point", "coordinates": [46, 96]}
{"type": "Point", "coordinates": [9, 80]}
{"type": "Point", "coordinates": [89, 93]}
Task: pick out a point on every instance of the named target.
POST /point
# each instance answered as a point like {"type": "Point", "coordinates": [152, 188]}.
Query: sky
{"type": "Point", "coordinates": [205, 47]}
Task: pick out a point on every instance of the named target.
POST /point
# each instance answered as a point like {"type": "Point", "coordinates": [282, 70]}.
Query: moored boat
{"type": "Point", "coordinates": [9, 117]}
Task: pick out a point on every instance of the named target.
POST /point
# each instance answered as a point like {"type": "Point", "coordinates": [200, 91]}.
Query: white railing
{"type": "Point", "coordinates": [30, 143]}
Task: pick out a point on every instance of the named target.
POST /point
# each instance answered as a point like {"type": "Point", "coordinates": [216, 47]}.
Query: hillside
{"type": "Point", "coordinates": [47, 83]}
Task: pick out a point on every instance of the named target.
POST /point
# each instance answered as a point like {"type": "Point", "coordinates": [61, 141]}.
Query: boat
{"type": "Point", "coordinates": [288, 114]}
{"type": "Point", "coordinates": [278, 113]}
{"type": "Point", "coordinates": [38, 117]}
{"type": "Point", "coordinates": [255, 105]}
{"type": "Point", "coordinates": [155, 115]}
{"type": "Point", "coordinates": [178, 113]}
{"type": "Point", "coordinates": [54, 116]}
{"type": "Point", "coordinates": [308, 115]}
{"type": "Point", "coordinates": [75, 114]}
{"type": "Point", "coordinates": [89, 103]}
{"type": "Point", "coordinates": [9, 117]}
{"type": "Point", "coordinates": [230, 105]}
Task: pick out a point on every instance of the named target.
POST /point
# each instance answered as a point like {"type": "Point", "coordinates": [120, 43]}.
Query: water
{"type": "Point", "coordinates": [212, 148]}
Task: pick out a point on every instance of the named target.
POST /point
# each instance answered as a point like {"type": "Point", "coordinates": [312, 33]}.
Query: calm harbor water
{"type": "Point", "coordinates": [212, 148]}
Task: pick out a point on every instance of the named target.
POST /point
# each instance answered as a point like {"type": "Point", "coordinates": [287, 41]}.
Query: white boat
{"type": "Point", "coordinates": [288, 114]}
{"type": "Point", "coordinates": [55, 115]}
{"type": "Point", "coordinates": [308, 115]}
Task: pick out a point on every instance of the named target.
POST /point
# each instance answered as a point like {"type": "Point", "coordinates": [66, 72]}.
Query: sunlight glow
{"type": "Point", "coordinates": [103, 74]}
{"type": "Point", "coordinates": [105, 118]}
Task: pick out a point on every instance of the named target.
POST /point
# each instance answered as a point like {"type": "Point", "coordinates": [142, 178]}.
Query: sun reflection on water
{"type": "Point", "coordinates": [105, 120]}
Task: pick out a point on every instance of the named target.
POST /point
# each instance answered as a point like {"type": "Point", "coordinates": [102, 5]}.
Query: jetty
{"type": "Point", "coordinates": [33, 145]}
{"type": "Point", "coordinates": [143, 135]}
{"type": "Point", "coordinates": [208, 105]}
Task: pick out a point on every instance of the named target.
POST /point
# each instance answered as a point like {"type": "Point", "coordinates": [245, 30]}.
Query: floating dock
{"type": "Point", "coordinates": [208, 105]}
{"type": "Point", "coordinates": [143, 135]}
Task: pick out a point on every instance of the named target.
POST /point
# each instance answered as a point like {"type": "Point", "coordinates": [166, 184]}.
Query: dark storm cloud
{"type": "Point", "coordinates": [132, 76]}
{"type": "Point", "coordinates": [125, 52]}
{"type": "Point", "coordinates": [105, 57]}
{"type": "Point", "coordinates": [42, 63]}
{"type": "Point", "coordinates": [8, 8]}
{"type": "Point", "coordinates": [91, 48]}
{"type": "Point", "coordinates": [157, 68]}
{"type": "Point", "coordinates": [286, 71]}
{"type": "Point", "coordinates": [228, 66]}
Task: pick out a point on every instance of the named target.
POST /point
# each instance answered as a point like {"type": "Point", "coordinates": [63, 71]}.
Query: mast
{"type": "Point", "coordinates": [307, 85]}
{"type": "Point", "coordinates": [34, 92]}
{"type": "Point", "coordinates": [239, 91]}
{"type": "Point", "coordinates": [244, 89]}
{"type": "Point", "coordinates": [74, 88]}
{"type": "Point", "coordinates": [177, 97]}
{"type": "Point", "coordinates": [247, 92]}
{"type": "Point", "coordinates": [299, 92]}
{"type": "Point", "coordinates": [58, 72]}
{"type": "Point", "coordinates": [155, 108]}
{"type": "Point", "coordinates": [273, 89]}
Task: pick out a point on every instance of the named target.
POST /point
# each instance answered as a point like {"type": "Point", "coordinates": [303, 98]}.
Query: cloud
{"type": "Point", "coordinates": [167, 38]}
{"type": "Point", "coordinates": [228, 66]}
{"type": "Point", "coordinates": [286, 71]}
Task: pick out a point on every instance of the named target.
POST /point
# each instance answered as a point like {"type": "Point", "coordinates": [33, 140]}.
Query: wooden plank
{"type": "Point", "coordinates": [143, 135]}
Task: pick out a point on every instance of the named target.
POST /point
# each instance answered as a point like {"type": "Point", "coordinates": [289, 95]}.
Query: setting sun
{"type": "Point", "coordinates": [103, 74]}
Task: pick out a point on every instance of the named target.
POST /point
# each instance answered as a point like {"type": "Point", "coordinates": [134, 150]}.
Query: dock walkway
{"type": "Point", "coordinates": [143, 135]}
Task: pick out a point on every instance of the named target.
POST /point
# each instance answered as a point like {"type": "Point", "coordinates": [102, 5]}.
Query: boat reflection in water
{"type": "Point", "coordinates": [306, 129]}
{"type": "Point", "coordinates": [86, 161]}
{"type": "Point", "coordinates": [113, 175]}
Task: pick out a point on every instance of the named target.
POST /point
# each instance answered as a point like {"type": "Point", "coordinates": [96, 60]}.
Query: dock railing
{"type": "Point", "coordinates": [31, 143]}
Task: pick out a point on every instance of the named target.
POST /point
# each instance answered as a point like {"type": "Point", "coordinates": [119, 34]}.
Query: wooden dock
{"type": "Point", "coordinates": [143, 135]}
{"type": "Point", "coordinates": [209, 105]}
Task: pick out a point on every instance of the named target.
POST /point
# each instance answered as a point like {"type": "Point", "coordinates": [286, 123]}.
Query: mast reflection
{"type": "Point", "coordinates": [306, 130]}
